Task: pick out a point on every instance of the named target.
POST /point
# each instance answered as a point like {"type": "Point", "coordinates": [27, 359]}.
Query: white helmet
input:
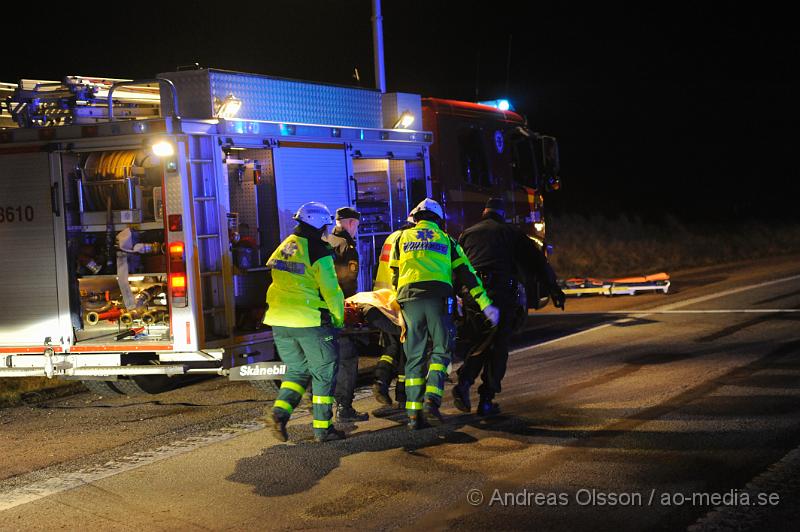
{"type": "Point", "coordinates": [315, 214]}
{"type": "Point", "coordinates": [429, 205]}
{"type": "Point", "coordinates": [411, 213]}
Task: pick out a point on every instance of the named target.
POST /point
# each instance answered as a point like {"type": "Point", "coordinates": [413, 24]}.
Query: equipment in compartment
{"type": "Point", "coordinates": [105, 315]}
{"type": "Point", "coordinates": [129, 179]}
{"type": "Point", "coordinates": [373, 200]}
{"type": "Point", "coordinates": [117, 247]}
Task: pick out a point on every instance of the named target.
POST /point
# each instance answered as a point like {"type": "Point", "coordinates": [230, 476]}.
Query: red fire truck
{"type": "Point", "coordinates": [136, 216]}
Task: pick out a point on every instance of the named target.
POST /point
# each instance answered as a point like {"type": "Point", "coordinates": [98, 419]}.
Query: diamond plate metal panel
{"type": "Point", "coordinates": [277, 99]}
{"type": "Point", "coordinates": [194, 100]}
{"type": "Point", "coordinates": [243, 196]}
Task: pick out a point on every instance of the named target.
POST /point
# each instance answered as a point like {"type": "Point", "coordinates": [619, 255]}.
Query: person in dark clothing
{"type": "Point", "coordinates": [345, 261]}
{"type": "Point", "coordinates": [342, 240]}
{"type": "Point", "coordinates": [502, 254]}
{"type": "Point", "coordinates": [391, 364]}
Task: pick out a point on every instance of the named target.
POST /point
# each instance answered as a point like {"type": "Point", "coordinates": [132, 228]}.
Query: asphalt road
{"type": "Point", "coordinates": [610, 421]}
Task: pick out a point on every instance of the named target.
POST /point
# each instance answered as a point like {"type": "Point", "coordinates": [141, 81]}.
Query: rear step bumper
{"type": "Point", "coordinates": [99, 371]}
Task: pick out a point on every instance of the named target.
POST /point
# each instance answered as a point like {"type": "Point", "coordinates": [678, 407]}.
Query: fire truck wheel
{"type": "Point", "coordinates": [269, 388]}
{"type": "Point", "coordinates": [145, 384]}
{"type": "Point", "coordinates": [101, 388]}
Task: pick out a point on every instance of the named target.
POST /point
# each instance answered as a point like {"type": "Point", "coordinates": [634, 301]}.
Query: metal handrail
{"type": "Point", "coordinates": [165, 81]}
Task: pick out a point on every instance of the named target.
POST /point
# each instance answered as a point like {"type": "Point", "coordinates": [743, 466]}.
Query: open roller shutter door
{"type": "Point", "coordinates": [309, 174]}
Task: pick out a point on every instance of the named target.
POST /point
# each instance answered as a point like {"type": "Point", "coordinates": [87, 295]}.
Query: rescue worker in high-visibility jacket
{"type": "Point", "coordinates": [392, 362]}
{"type": "Point", "coordinates": [424, 261]}
{"type": "Point", "coordinates": [305, 307]}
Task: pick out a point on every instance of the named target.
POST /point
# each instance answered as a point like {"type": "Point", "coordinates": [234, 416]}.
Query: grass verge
{"type": "Point", "coordinates": [32, 389]}
{"type": "Point", "coordinates": [603, 247]}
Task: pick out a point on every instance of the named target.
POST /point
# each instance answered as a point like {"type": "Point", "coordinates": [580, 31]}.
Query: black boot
{"type": "Point", "coordinates": [433, 415]}
{"type": "Point", "coordinates": [332, 435]}
{"type": "Point", "coordinates": [278, 426]}
{"type": "Point", "coordinates": [417, 421]}
{"type": "Point", "coordinates": [348, 414]}
{"type": "Point", "coordinates": [487, 408]}
{"type": "Point", "coordinates": [380, 390]}
{"type": "Point", "coordinates": [461, 397]}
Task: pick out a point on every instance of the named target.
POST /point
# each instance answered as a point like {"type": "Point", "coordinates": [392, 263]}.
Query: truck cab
{"type": "Point", "coordinates": [480, 151]}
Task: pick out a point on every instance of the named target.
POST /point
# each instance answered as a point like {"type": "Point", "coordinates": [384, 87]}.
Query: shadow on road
{"type": "Point", "coordinates": [684, 454]}
{"type": "Point", "coordinates": [289, 469]}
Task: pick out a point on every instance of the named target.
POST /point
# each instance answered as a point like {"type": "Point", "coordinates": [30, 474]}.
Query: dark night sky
{"type": "Point", "coordinates": [685, 109]}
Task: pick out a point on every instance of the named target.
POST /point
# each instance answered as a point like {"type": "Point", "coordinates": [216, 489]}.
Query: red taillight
{"type": "Point", "coordinates": [177, 282]}
{"type": "Point", "coordinates": [175, 222]}
{"type": "Point", "coordinates": [176, 251]}
{"type": "Point", "coordinates": [177, 273]}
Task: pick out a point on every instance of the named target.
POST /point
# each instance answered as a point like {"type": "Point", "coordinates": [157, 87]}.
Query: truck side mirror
{"type": "Point", "coordinates": [551, 163]}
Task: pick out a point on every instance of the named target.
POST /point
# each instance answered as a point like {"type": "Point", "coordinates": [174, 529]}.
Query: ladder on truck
{"type": "Point", "coordinates": [210, 242]}
{"type": "Point", "coordinates": [76, 100]}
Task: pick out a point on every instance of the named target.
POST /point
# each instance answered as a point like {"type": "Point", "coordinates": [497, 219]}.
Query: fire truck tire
{"type": "Point", "coordinates": [269, 388]}
{"type": "Point", "coordinates": [101, 388]}
{"type": "Point", "coordinates": [145, 384]}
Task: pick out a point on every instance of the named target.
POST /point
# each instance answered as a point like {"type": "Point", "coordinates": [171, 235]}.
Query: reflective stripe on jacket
{"type": "Point", "coordinates": [304, 290]}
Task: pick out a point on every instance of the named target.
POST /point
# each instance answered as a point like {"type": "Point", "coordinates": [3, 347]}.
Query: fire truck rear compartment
{"type": "Point", "coordinates": [115, 247]}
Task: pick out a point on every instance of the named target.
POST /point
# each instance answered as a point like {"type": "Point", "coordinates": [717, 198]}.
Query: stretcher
{"type": "Point", "coordinates": [627, 286]}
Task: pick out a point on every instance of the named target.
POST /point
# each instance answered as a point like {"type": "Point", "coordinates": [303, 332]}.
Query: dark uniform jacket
{"type": "Point", "coordinates": [502, 253]}
{"type": "Point", "coordinates": [345, 260]}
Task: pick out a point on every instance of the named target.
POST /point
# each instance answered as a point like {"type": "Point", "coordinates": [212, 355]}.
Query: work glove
{"type": "Point", "coordinates": [558, 297]}
{"type": "Point", "coordinates": [492, 314]}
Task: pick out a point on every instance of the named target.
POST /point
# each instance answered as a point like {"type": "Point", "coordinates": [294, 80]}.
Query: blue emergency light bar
{"type": "Point", "coordinates": [502, 104]}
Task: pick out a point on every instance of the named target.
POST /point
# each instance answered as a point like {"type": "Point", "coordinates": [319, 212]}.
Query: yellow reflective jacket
{"type": "Point", "coordinates": [424, 261]}
{"type": "Point", "coordinates": [383, 276]}
{"type": "Point", "coordinates": [304, 290]}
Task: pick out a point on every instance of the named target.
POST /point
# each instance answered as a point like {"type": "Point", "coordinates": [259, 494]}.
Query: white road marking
{"type": "Point", "coordinates": [50, 486]}
{"type": "Point", "coordinates": [661, 309]}
{"type": "Point", "coordinates": [709, 311]}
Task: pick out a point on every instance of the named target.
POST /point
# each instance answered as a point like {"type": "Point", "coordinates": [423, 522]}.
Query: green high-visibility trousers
{"type": "Point", "coordinates": [311, 355]}
{"type": "Point", "coordinates": [425, 317]}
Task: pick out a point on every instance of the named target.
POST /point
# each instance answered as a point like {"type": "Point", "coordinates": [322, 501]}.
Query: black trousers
{"type": "Point", "coordinates": [491, 363]}
{"type": "Point", "coordinates": [348, 370]}
{"type": "Point", "coordinates": [351, 346]}
{"type": "Point", "coordinates": [392, 363]}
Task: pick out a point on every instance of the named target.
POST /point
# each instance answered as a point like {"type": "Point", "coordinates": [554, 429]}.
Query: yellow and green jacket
{"type": "Point", "coordinates": [304, 291]}
{"type": "Point", "coordinates": [424, 262]}
{"type": "Point", "coordinates": [383, 276]}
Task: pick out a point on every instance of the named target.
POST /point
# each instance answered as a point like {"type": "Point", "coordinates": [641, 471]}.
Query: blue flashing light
{"type": "Point", "coordinates": [501, 104]}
